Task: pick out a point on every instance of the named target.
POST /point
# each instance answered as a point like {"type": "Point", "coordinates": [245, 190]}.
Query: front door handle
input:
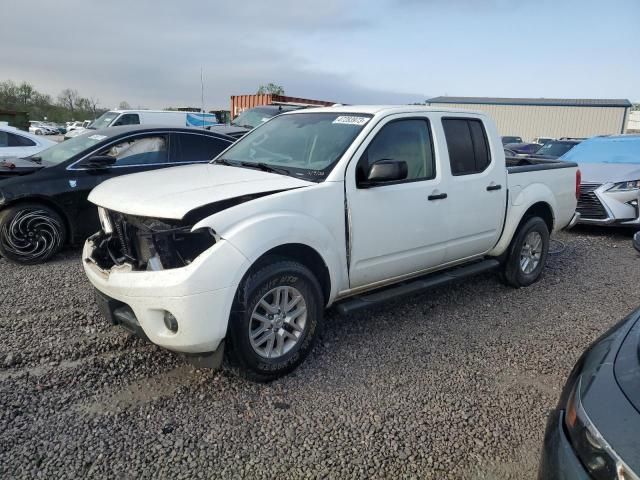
{"type": "Point", "coordinates": [438, 196]}
{"type": "Point", "coordinates": [493, 187]}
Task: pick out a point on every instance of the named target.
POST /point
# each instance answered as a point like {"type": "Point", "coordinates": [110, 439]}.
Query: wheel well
{"type": "Point", "coordinates": [305, 255]}
{"type": "Point", "coordinates": [49, 204]}
{"type": "Point", "coordinates": [542, 210]}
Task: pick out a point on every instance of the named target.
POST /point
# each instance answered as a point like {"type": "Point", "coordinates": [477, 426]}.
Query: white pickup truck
{"type": "Point", "coordinates": [346, 206]}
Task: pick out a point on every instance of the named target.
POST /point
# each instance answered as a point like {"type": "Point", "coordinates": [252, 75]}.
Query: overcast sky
{"type": "Point", "coordinates": [150, 52]}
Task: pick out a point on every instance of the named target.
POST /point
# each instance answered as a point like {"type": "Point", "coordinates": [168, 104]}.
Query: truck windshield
{"type": "Point", "coordinates": [302, 144]}
{"type": "Point", "coordinates": [104, 120]}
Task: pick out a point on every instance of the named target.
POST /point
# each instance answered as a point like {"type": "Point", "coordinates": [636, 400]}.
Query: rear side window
{"type": "Point", "coordinates": [199, 148]}
{"type": "Point", "coordinates": [128, 119]}
{"type": "Point", "coordinates": [467, 145]}
{"type": "Point", "coordinates": [20, 141]}
{"type": "Point", "coordinates": [12, 140]}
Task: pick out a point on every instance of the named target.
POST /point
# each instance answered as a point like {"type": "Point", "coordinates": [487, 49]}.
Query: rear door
{"type": "Point", "coordinates": [397, 228]}
{"type": "Point", "coordinates": [15, 145]}
{"type": "Point", "coordinates": [476, 191]}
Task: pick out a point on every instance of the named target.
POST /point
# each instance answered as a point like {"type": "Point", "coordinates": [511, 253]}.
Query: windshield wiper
{"type": "Point", "coordinates": [34, 159]}
{"type": "Point", "coordinates": [223, 161]}
{"type": "Point", "coordinates": [265, 167]}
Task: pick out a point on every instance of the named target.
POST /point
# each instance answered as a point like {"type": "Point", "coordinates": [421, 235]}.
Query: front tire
{"type": "Point", "coordinates": [276, 320]}
{"type": "Point", "coordinates": [527, 253]}
{"type": "Point", "coordinates": [30, 233]}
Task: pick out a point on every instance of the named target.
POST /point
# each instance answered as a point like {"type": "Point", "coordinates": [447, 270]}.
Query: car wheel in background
{"type": "Point", "coordinates": [276, 320]}
{"type": "Point", "coordinates": [527, 253]}
{"type": "Point", "coordinates": [30, 233]}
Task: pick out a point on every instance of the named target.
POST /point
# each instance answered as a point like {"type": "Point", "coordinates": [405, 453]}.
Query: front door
{"type": "Point", "coordinates": [131, 155]}
{"type": "Point", "coordinates": [396, 228]}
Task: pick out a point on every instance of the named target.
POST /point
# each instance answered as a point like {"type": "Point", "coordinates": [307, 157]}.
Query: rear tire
{"type": "Point", "coordinates": [527, 253]}
{"type": "Point", "coordinates": [30, 233]}
{"type": "Point", "coordinates": [276, 320]}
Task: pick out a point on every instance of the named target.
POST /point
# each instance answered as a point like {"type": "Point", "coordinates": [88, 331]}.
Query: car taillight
{"type": "Point", "coordinates": [578, 180]}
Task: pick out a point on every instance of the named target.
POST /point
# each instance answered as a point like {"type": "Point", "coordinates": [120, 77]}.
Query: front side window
{"type": "Point", "coordinates": [138, 151]}
{"type": "Point", "coordinates": [402, 140]}
{"type": "Point", "coordinates": [128, 119]}
{"type": "Point", "coordinates": [304, 145]}
{"type": "Point", "coordinates": [467, 145]}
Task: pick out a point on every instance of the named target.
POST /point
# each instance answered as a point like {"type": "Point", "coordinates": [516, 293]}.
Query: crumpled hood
{"type": "Point", "coordinates": [173, 192]}
{"type": "Point", "coordinates": [609, 172]}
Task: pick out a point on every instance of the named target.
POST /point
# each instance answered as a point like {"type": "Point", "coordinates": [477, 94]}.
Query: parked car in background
{"type": "Point", "coordinates": [556, 148]}
{"type": "Point", "coordinates": [44, 205]}
{"type": "Point", "coordinates": [543, 140]}
{"type": "Point", "coordinates": [116, 118]}
{"type": "Point", "coordinates": [523, 148]}
{"type": "Point", "coordinates": [610, 187]}
{"type": "Point", "coordinates": [73, 125]}
{"type": "Point", "coordinates": [254, 117]}
{"type": "Point", "coordinates": [41, 128]}
{"type": "Point", "coordinates": [509, 153]}
{"type": "Point", "coordinates": [59, 129]}
{"type": "Point", "coordinates": [231, 130]}
{"type": "Point", "coordinates": [18, 143]}
{"type": "Point", "coordinates": [312, 208]}
{"type": "Point", "coordinates": [594, 431]}
{"type": "Point", "coordinates": [511, 139]}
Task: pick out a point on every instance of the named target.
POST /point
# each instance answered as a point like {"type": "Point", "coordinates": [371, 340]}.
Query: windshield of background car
{"type": "Point", "coordinates": [254, 117]}
{"type": "Point", "coordinates": [63, 151]}
{"type": "Point", "coordinates": [557, 149]}
{"type": "Point", "coordinates": [606, 150]}
{"type": "Point", "coordinates": [306, 144]}
{"type": "Point", "coordinates": [104, 120]}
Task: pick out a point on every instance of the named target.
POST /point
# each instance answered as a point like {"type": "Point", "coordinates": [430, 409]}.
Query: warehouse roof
{"type": "Point", "coordinates": [548, 102]}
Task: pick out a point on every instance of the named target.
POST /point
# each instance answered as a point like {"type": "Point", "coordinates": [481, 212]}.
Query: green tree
{"type": "Point", "coordinates": [124, 106]}
{"type": "Point", "coordinates": [270, 88]}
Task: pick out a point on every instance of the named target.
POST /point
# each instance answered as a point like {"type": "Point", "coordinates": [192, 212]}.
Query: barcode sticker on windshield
{"type": "Point", "coordinates": [349, 120]}
{"type": "Point", "coordinates": [98, 137]}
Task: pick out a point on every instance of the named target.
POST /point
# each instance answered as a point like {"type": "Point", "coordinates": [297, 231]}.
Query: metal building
{"type": "Point", "coordinates": [547, 117]}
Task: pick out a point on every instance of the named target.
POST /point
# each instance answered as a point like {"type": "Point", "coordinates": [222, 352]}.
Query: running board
{"type": "Point", "coordinates": [418, 285]}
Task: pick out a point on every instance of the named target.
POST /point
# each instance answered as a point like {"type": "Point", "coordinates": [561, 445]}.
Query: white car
{"type": "Point", "coordinates": [351, 206]}
{"type": "Point", "coordinates": [20, 144]}
{"type": "Point", "coordinates": [610, 189]}
{"type": "Point", "coordinates": [40, 128]}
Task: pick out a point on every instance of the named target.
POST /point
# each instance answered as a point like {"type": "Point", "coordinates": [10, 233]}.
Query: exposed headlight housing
{"type": "Point", "coordinates": [625, 186]}
{"type": "Point", "coordinates": [105, 221]}
{"type": "Point", "coordinates": [595, 453]}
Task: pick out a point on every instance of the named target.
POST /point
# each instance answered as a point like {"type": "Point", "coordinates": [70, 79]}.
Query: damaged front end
{"type": "Point", "coordinates": [147, 243]}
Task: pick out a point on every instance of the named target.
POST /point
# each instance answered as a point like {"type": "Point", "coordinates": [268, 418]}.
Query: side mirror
{"type": "Point", "coordinates": [100, 161]}
{"type": "Point", "coordinates": [636, 241]}
{"type": "Point", "coordinates": [387, 170]}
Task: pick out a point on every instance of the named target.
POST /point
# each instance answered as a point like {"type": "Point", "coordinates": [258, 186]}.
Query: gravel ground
{"type": "Point", "coordinates": [455, 383]}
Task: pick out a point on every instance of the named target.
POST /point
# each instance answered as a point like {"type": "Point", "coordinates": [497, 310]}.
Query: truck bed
{"type": "Point", "coordinates": [526, 164]}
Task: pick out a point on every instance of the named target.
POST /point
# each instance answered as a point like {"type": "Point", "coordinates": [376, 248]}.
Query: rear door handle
{"type": "Point", "coordinates": [493, 187]}
{"type": "Point", "coordinates": [438, 196]}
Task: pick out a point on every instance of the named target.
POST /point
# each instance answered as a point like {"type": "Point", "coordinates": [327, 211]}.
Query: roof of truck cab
{"type": "Point", "coordinates": [380, 109]}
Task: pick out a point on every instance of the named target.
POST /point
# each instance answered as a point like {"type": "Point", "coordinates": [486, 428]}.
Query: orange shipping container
{"type": "Point", "coordinates": [240, 103]}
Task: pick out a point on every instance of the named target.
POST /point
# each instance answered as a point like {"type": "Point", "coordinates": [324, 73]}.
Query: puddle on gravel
{"type": "Point", "coordinates": [140, 392]}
